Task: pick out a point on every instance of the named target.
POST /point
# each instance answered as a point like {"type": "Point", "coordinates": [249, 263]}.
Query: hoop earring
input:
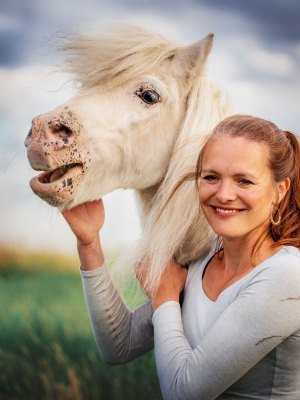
{"type": "Point", "coordinates": [276, 223]}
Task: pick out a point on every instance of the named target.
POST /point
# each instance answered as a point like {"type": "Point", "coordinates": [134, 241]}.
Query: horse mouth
{"type": "Point", "coordinates": [58, 185]}
{"type": "Point", "coordinates": [59, 173]}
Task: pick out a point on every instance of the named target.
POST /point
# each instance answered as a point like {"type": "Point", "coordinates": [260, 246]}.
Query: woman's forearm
{"type": "Point", "coordinates": [121, 334]}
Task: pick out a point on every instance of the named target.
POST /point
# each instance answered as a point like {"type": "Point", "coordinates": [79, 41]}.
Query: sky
{"type": "Point", "coordinates": [256, 58]}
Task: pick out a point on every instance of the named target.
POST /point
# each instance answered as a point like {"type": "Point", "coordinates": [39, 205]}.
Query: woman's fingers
{"type": "Point", "coordinates": [141, 270]}
{"type": "Point", "coordinates": [171, 283]}
{"type": "Point", "coordinates": [86, 220]}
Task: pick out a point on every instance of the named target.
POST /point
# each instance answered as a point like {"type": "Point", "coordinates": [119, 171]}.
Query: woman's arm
{"type": "Point", "coordinates": [264, 314]}
{"type": "Point", "coordinates": [121, 334]}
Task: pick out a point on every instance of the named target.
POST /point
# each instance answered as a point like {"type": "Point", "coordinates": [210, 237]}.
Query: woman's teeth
{"type": "Point", "coordinates": [223, 211]}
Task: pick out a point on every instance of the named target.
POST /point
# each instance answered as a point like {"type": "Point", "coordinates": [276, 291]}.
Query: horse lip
{"type": "Point", "coordinates": [45, 177]}
{"type": "Point", "coordinates": [60, 190]}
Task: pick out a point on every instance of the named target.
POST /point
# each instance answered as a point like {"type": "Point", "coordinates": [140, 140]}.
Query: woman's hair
{"type": "Point", "coordinates": [284, 162]}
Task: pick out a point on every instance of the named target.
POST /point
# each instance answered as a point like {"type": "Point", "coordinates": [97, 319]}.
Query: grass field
{"type": "Point", "coordinates": [47, 349]}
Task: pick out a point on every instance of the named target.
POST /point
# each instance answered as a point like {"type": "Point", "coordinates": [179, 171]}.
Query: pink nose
{"type": "Point", "coordinates": [55, 132]}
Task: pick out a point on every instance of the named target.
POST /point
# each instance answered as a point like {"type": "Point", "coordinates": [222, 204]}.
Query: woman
{"type": "Point", "coordinates": [237, 335]}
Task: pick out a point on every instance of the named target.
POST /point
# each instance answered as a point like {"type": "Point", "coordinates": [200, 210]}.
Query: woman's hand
{"type": "Point", "coordinates": [171, 284]}
{"type": "Point", "coordinates": [85, 221]}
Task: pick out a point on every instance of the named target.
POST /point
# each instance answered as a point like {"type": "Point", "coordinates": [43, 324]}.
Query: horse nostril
{"type": "Point", "coordinates": [68, 131]}
{"type": "Point", "coordinates": [61, 130]}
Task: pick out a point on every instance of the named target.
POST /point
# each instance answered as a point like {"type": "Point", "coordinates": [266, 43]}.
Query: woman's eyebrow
{"type": "Point", "coordinates": [211, 171]}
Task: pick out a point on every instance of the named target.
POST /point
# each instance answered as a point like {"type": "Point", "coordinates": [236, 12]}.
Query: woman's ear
{"type": "Point", "coordinates": [282, 188]}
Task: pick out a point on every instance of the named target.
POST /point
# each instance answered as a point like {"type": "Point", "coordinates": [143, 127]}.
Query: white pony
{"type": "Point", "coordinates": [139, 120]}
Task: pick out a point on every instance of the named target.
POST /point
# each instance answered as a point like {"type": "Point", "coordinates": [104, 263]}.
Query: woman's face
{"type": "Point", "coordinates": [237, 191]}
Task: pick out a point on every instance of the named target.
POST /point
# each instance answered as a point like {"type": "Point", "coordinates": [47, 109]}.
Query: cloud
{"type": "Point", "coordinates": [273, 100]}
{"type": "Point", "coordinates": [31, 90]}
{"type": "Point", "coordinates": [297, 51]}
{"type": "Point", "coordinates": [29, 31]}
{"type": "Point", "coordinates": [276, 64]}
{"type": "Point", "coordinates": [274, 20]}
{"type": "Point", "coordinates": [9, 23]}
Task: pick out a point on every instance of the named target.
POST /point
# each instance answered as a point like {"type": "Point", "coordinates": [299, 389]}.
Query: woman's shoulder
{"type": "Point", "coordinates": [281, 271]}
{"type": "Point", "coordinates": [287, 256]}
{"type": "Point", "coordinates": [290, 250]}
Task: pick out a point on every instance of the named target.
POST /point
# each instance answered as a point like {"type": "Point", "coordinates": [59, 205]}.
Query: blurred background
{"type": "Point", "coordinates": [46, 345]}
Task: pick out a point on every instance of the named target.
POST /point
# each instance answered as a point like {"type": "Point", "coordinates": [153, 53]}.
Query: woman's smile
{"type": "Point", "coordinates": [227, 212]}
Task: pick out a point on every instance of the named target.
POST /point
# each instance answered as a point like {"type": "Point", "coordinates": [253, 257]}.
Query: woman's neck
{"type": "Point", "coordinates": [237, 255]}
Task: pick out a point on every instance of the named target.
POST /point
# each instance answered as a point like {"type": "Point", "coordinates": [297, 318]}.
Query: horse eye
{"type": "Point", "coordinates": [149, 96]}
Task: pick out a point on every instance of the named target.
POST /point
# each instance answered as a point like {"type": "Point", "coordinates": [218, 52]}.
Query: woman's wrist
{"type": "Point", "coordinates": [157, 301]}
{"type": "Point", "coordinates": [91, 255]}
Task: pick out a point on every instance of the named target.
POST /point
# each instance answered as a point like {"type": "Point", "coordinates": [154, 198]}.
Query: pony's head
{"type": "Point", "coordinates": [120, 130]}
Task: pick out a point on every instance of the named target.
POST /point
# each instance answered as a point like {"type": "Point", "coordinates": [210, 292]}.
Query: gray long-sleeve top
{"type": "Point", "coordinates": [244, 345]}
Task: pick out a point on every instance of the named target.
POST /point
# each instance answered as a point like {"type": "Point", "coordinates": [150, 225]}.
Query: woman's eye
{"type": "Point", "coordinates": [149, 96]}
{"type": "Point", "coordinates": [210, 178]}
{"type": "Point", "coordinates": [245, 182]}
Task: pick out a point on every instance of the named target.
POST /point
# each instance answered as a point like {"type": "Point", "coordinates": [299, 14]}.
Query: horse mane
{"type": "Point", "coordinates": [175, 225]}
{"type": "Point", "coordinates": [113, 57]}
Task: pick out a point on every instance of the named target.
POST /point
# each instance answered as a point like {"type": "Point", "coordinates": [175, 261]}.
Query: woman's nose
{"type": "Point", "coordinates": [226, 192]}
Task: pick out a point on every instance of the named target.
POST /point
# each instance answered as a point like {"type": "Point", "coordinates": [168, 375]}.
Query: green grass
{"type": "Point", "coordinates": [47, 349]}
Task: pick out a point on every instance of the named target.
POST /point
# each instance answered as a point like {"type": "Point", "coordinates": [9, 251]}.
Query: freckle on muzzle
{"type": "Point", "coordinates": [55, 146]}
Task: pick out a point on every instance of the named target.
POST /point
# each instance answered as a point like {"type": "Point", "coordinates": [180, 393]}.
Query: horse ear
{"type": "Point", "coordinates": [191, 59]}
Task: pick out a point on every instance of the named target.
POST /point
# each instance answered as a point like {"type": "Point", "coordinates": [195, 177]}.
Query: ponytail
{"type": "Point", "coordinates": [288, 232]}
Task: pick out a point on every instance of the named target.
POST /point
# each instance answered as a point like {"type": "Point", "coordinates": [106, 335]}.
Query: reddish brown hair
{"type": "Point", "coordinates": [284, 162]}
